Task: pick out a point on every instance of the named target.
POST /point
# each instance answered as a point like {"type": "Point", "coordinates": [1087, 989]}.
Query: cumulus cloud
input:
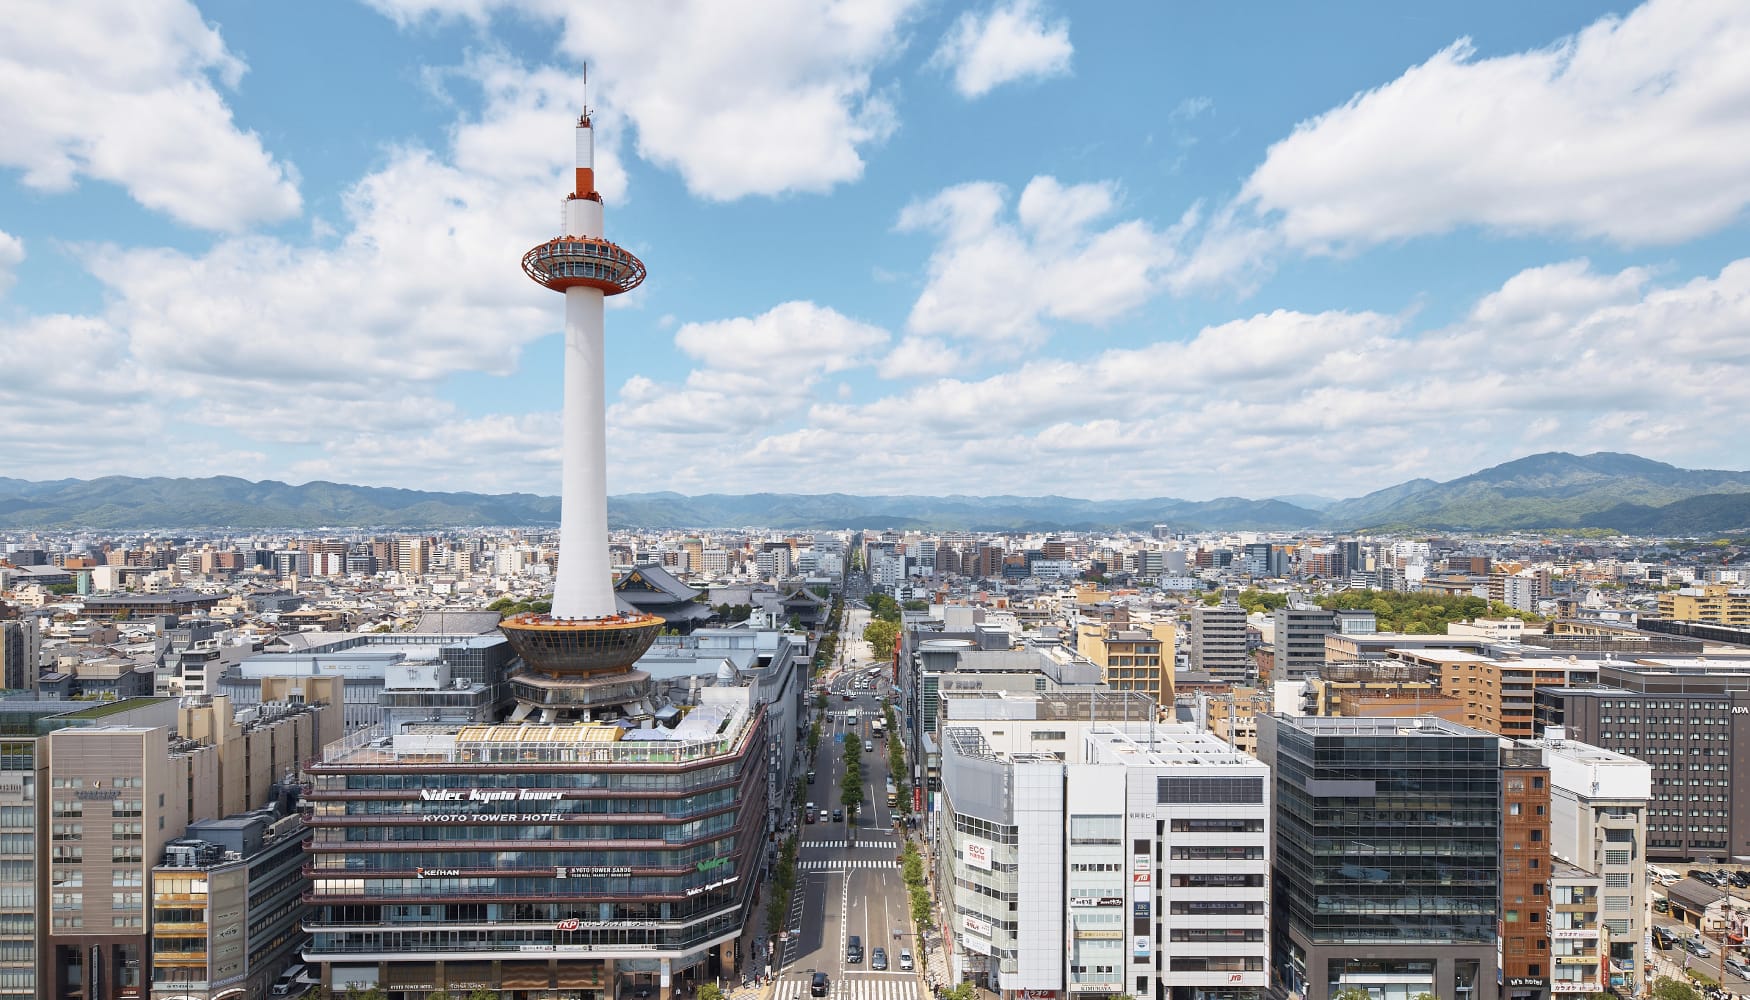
{"type": "Point", "coordinates": [761, 98]}
{"type": "Point", "coordinates": [11, 255]}
{"type": "Point", "coordinates": [1008, 42]}
{"type": "Point", "coordinates": [791, 340]}
{"type": "Point", "coordinates": [124, 92]}
{"type": "Point", "coordinates": [753, 373]}
{"type": "Point", "coordinates": [1337, 401]}
{"type": "Point", "coordinates": [999, 277]}
{"type": "Point", "coordinates": [395, 297]}
{"type": "Point", "coordinates": [1624, 132]}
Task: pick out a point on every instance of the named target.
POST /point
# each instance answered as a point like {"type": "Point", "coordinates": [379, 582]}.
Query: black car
{"type": "Point", "coordinates": [820, 985]}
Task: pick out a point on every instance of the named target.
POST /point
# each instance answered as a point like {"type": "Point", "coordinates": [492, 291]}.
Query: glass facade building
{"type": "Point", "coordinates": [562, 861]}
{"type": "Point", "coordinates": [1387, 856]}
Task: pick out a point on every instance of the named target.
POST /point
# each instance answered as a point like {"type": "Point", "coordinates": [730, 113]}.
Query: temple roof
{"type": "Point", "coordinates": [649, 578]}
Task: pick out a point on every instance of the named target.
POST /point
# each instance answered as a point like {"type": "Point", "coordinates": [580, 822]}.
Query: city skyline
{"type": "Point", "coordinates": [1020, 248]}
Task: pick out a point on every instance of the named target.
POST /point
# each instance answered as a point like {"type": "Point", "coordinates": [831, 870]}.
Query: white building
{"type": "Point", "coordinates": [1134, 862]}
{"type": "Point", "coordinates": [1598, 823]}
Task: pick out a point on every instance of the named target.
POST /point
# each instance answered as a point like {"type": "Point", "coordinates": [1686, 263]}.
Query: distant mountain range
{"type": "Point", "coordinates": [1554, 490]}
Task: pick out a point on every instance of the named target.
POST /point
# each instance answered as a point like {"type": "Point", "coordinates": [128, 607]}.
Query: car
{"type": "Point", "coordinates": [1741, 879]}
{"type": "Point", "coordinates": [820, 986]}
{"type": "Point", "coordinates": [1661, 904]}
{"type": "Point", "coordinates": [854, 950]}
{"type": "Point", "coordinates": [807, 815]}
{"type": "Point", "coordinates": [878, 959]}
{"type": "Point", "coordinates": [905, 962]}
{"type": "Point", "coordinates": [1737, 968]}
{"type": "Point", "coordinates": [1698, 949]}
{"type": "Point", "coordinates": [811, 777]}
{"type": "Point", "coordinates": [838, 815]}
{"type": "Point", "coordinates": [868, 746]}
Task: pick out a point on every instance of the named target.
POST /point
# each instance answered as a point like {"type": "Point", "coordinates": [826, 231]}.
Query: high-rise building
{"type": "Point", "coordinates": [598, 841]}
{"type": "Point", "coordinates": [1387, 868]}
{"type": "Point", "coordinates": [1218, 641]}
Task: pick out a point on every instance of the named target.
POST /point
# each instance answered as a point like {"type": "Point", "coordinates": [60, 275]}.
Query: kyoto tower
{"type": "Point", "coordinates": [579, 657]}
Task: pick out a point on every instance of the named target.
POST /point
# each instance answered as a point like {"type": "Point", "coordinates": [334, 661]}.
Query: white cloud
{"type": "Point", "coordinates": [791, 340]}
{"type": "Point", "coordinates": [997, 279]}
{"type": "Point", "coordinates": [760, 98]}
{"type": "Point", "coordinates": [123, 92]}
{"type": "Point", "coordinates": [11, 255]}
{"type": "Point", "coordinates": [1628, 131]}
{"type": "Point", "coordinates": [1334, 402]}
{"type": "Point", "coordinates": [754, 373]}
{"type": "Point", "coordinates": [1010, 41]}
{"type": "Point", "coordinates": [421, 283]}
{"type": "Point", "coordinates": [916, 356]}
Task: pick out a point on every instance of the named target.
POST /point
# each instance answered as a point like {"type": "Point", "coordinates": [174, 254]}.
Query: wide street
{"type": "Point", "coordinates": [849, 879]}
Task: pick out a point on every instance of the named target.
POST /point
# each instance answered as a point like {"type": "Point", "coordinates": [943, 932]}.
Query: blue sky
{"type": "Point", "coordinates": [1103, 250]}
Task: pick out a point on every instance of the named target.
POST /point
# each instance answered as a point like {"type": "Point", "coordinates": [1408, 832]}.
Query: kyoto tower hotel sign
{"type": "Point", "coordinates": [584, 637]}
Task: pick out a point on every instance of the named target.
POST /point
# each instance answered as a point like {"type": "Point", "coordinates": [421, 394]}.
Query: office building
{"type": "Point", "coordinates": [1300, 639]}
{"type": "Point", "coordinates": [1136, 863]}
{"type": "Point", "coordinates": [1387, 868]}
{"type": "Point", "coordinates": [227, 907]}
{"type": "Point", "coordinates": [1689, 720]}
{"type": "Point", "coordinates": [1218, 642]}
{"type": "Point", "coordinates": [125, 779]}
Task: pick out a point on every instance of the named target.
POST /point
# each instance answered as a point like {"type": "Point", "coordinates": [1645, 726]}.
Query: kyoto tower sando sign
{"type": "Point", "coordinates": [579, 654]}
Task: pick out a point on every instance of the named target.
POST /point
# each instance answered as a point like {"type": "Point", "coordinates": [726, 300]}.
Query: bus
{"type": "Point", "coordinates": [851, 718]}
{"type": "Point", "coordinates": [877, 726]}
{"type": "Point", "coordinates": [892, 793]}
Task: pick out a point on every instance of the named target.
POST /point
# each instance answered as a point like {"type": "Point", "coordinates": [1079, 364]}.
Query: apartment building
{"type": "Point", "coordinates": [1131, 658]}
{"type": "Point", "coordinates": [1714, 603]}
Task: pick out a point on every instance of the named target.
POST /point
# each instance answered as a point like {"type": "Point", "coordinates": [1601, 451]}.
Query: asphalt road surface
{"type": "Point", "coordinates": [849, 877]}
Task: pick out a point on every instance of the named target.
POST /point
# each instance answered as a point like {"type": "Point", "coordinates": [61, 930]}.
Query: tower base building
{"type": "Point", "coordinates": [545, 862]}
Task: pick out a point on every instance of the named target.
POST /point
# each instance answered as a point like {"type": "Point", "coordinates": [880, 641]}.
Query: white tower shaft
{"type": "Point", "coordinates": [584, 587]}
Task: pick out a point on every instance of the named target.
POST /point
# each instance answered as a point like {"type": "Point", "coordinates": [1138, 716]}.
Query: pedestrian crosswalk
{"type": "Point", "coordinates": [833, 864]}
{"type": "Point", "coordinates": [873, 843]}
{"type": "Point", "coordinates": [904, 986]}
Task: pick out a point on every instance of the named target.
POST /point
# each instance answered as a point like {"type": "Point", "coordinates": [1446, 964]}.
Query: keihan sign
{"type": "Point", "coordinates": [488, 795]}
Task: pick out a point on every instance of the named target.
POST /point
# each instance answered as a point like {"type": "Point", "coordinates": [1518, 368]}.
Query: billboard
{"type": "Point", "coordinates": [978, 854]}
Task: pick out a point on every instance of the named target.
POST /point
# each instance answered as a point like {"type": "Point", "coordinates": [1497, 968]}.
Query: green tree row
{"type": "Point", "coordinates": [881, 634]}
{"type": "Point", "coordinates": [1412, 612]}
{"type": "Point", "coordinates": [507, 607]}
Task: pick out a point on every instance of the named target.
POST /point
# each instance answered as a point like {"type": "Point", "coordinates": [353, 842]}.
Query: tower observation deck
{"type": "Point", "coordinates": [578, 658]}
